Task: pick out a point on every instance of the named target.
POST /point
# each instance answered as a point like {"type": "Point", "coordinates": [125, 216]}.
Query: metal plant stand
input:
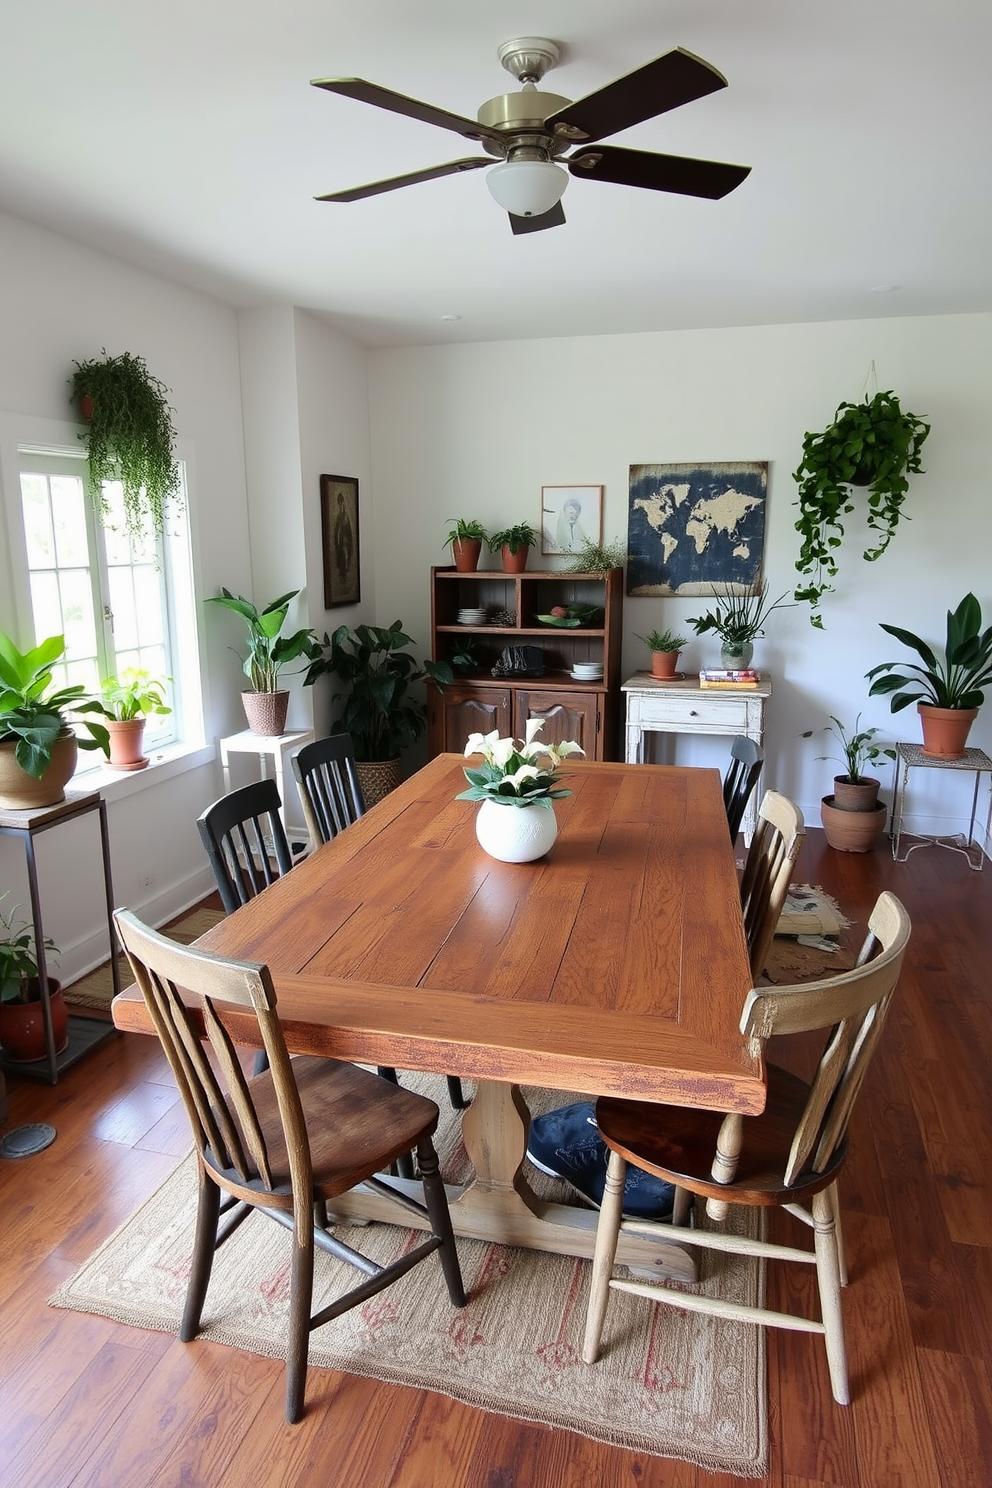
{"type": "Point", "coordinates": [974, 762]}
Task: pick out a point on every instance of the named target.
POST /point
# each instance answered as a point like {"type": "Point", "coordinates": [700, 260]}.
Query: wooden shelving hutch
{"type": "Point", "coordinates": [478, 702]}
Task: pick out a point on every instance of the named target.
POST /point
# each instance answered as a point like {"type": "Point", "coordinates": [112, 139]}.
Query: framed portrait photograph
{"type": "Point", "coordinates": [571, 516]}
{"type": "Point", "coordinates": [339, 540]}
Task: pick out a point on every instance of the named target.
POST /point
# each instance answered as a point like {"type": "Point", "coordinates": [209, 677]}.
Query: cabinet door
{"type": "Point", "coordinates": [456, 712]}
{"type": "Point", "coordinates": [567, 716]}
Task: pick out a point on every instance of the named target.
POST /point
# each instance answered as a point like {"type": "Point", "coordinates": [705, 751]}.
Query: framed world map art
{"type": "Point", "coordinates": [696, 529]}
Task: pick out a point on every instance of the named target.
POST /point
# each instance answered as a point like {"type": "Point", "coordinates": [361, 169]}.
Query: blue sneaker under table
{"type": "Point", "coordinates": [566, 1144]}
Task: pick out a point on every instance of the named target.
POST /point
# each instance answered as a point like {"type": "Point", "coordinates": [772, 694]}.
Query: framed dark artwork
{"type": "Point", "coordinates": [571, 516]}
{"type": "Point", "coordinates": [696, 529]}
{"type": "Point", "coordinates": [339, 540]}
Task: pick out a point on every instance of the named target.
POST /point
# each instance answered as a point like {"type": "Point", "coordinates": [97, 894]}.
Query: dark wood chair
{"type": "Point", "coordinates": [287, 1141]}
{"type": "Point", "coordinates": [767, 873]}
{"type": "Point", "coordinates": [330, 791]}
{"type": "Point", "coordinates": [246, 842]}
{"type": "Point", "coordinates": [789, 1156]}
{"type": "Point", "coordinates": [746, 759]}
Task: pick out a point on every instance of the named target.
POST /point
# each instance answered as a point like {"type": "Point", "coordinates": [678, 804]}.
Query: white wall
{"type": "Point", "coordinates": [475, 431]}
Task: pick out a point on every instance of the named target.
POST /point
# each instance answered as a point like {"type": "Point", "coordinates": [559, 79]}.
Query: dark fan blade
{"type": "Point", "coordinates": [398, 103]}
{"type": "Point", "coordinates": [676, 173]}
{"type": "Point", "coordinates": [666, 83]}
{"type": "Point", "coordinates": [553, 218]}
{"type": "Point", "coordinates": [358, 193]}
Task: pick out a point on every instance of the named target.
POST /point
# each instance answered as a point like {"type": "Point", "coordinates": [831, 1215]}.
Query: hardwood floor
{"type": "Point", "coordinates": [86, 1403]}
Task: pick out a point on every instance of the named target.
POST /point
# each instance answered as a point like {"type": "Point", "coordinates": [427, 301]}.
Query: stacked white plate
{"type": "Point", "coordinates": [471, 616]}
{"type": "Point", "coordinates": [587, 671]}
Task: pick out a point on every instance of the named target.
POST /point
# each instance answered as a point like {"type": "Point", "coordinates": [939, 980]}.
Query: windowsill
{"type": "Point", "coordinates": [163, 764]}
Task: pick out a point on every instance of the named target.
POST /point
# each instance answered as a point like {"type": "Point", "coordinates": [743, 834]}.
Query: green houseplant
{"type": "Point", "coordinates": [513, 545]}
{"type": "Point", "coordinates": [873, 443]}
{"type": "Point", "coordinates": [269, 651]}
{"type": "Point", "coordinates": [737, 619]}
{"type": "Point", "coordinates": [948, 693]}
{"type": "Point", "coordinates": [37, 743]}
{"type": "Point", "coordinates": [22, 1025]}
{"type": "Point", "coordinates": [379, 708]}
{"type": "Point", "coordinates": [466, 538]}
{"type": "Point", "coordinates": [664, 646]}
{"type": "Point", "coordinates": [851, 816]}
{"type": "Point", "coordinates": [523, 774]}
{"type": "Point", "coordinates": [129, 436]}
{"type": "Point", "coordinates": [594, 557]}
{"type": "Point", "coordinates": [129, 699]}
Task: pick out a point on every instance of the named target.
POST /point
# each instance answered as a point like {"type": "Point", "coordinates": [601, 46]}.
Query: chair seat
{"type": "Point", "coordinates": [677, 1143]}
{"type": "Point", "coordinates": [357, 1123]}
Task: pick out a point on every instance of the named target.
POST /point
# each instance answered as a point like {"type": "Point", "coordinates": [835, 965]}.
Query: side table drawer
{"type": "Point", "coordinates": [727, 712]}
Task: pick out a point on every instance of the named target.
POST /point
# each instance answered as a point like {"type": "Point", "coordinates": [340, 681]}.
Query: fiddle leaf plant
{"type": "Point", "coordinates": [873, 443]}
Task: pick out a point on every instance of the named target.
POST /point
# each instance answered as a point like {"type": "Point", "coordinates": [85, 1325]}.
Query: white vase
{"type": "Point", "coordinates": [516, 834]}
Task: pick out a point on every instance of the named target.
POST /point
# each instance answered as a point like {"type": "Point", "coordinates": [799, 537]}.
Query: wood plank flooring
{"type": "Point", "coordinates": [86, 1403]}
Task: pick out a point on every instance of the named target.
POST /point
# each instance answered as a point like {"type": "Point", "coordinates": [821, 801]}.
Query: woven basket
{"type": "Point", "coordinates": [266, 712]}
{"type": "Point", "coordinates": [377, 778]}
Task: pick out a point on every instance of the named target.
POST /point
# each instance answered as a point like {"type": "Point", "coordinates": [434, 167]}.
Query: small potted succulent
{"type": "Point", "coordinates": [129, 699]}
{"type": "Point", "coordinates": [852, 817]}
{"type": "Point", "coordinates": [664, 646]}
{"type": "Point", "coordinates": [265, 702]}
{"type": "Point", "coordinates": [466, 539]}
{"type": "Point", "coordinates": [513, 544]}
{"type": "Point", "coordinates": [38, 746]}
{"type": "Point", "coordinates": [22, 1023]}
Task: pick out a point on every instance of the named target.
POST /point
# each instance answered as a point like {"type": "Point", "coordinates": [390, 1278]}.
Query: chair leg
{"type": "Point", "coordinates": [300, 1304]}
{"type": "Point", "coordinates": [456, 1095]}
{"type": "Point", "coordinates": [607, 1235]}
{"type": "Point", "coordinates": [437, 1207]}
{"type": "Point", "coordinates": [834, 1193]}
{"type": "Point", "coordinates": [828, 1278]}
{"type": "Point", "coordinates": [204, 1240]}
{"type": "Point", "coordinates": [681, 1205]}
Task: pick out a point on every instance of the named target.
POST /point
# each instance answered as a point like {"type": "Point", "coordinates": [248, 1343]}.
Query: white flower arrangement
{"type": "Point", "coordinates": [511, 775]}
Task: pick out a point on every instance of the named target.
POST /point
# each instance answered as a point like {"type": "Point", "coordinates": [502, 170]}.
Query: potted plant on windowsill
{"type": "Point", "coordinates": [129, 699]}
{"type": "Point", "coordinates": [378, 707]}
{"type": "Point", "coordinates": [738, 619]}
{"type": "Point", "coordinates": [466, 539]}
{"type": "Point", "coordinates": [269, 651]}
{"type": "Point", "coordinates": [948, 693]}
{"type": "Point", "coordinates": [852, 817]}
{"type": "Point", "coordinates": [22, 1022]}
{"type": "Point", "coordinates": [513, 544]}
{"type": "Point", "coordinates": [38, 747]}
{"type": "Point", "coordinates": [664, 646]}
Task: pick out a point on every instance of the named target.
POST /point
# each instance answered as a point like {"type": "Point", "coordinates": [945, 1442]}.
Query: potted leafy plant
{"type": "Point", "coordinates": [129, 437]}
{"type": "Point", "coordinates": [265, 702]}
{"type": "Point", "coordinates": [22, 1023]}
{"type": "Point", "coordinates": [38, 747]}
{"type": "Point", "coordinates": [852, 817]}
{"type": "Point", "coordinates": [872, 443]}
{"type": "Point", "coordinates": [466, 539]}
{"type": "Point", "coordinates": [522, 774]}
{"type": "Point", "coordinates": [513, 544]}
{"type": "Point", "coordinates": [948, 693]}
{"type": "Point", "coordinates": [379, 709]}
{"type": "Point", "coordinates": [129, 699]}
{"type": "Point", "coordinates": [664, 646]}
{"type": "Point", "coordinates": [594, 557]}
{"type": "Point", "coordinates": [737, 619]}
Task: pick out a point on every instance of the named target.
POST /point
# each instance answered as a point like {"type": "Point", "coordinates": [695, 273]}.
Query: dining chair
{"type": "Point", "coordinates": [246, 842]}
{"type": "Point", "coordinates": [286, 1142]}
{"type": "Point", "coordinates": [767, 874]}
{"type": "Point", "coordinates": [746, 759]}
{"type": "Point", "coordinates": [788, 1157]}
{"type": "Point", "coordinates": [330, 791]}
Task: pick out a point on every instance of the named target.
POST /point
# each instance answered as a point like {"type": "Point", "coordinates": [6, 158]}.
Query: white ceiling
{"type": "Point", "coordinates": [185, 136]}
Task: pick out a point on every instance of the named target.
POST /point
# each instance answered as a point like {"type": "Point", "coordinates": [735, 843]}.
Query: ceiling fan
{"type": "Point", "coordinates": [531, 131]}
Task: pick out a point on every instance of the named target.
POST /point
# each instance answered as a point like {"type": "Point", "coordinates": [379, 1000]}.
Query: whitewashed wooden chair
{"type": "Point", "coordinates": [788, 1156]}
{"type": "Point", "coordinates": [771, 858]}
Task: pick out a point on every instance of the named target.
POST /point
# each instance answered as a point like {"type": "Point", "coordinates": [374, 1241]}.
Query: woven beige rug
{"type": "Point", "coordinates": [668, 1383]}
{"type": "Point", "coordinates": [96, 990]}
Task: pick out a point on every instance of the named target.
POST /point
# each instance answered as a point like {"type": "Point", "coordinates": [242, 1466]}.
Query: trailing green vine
{"type": "Point", "coordinates": [872, 443]}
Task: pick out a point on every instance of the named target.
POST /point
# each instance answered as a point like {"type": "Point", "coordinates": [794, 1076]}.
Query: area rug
{"type": "Point", "coordinates": [669, 1384]}
{"type": "Point", "coordinates": [809, 939]}
{"type": "Point", "coordinates": [96, 990]}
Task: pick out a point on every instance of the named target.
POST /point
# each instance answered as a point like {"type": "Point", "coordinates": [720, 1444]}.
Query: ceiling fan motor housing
{"type": "Point", "coordinates": [523, 113]}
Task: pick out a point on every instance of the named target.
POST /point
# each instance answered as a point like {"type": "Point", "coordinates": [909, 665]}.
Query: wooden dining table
{"type": "Point", "coordinates": [614, 965]}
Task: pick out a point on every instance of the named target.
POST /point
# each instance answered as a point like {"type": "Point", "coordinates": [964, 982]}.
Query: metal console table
{"type": "Point", "coordinates": [84, 1033]}
{"type": "Point", "coordinates": [973, 762]}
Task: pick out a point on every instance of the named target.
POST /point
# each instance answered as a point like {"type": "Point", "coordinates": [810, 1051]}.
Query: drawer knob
{"type": "Point", "coordinates": [693, 713]}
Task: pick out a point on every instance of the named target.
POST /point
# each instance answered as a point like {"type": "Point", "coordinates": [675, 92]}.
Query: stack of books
{"type": "Point", "coordinates": [743, 678]}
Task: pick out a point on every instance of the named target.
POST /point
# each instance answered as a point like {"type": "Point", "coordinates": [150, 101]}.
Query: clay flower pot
{"type": "Point", "coordinates": [126, 737]}
{"type": "Point", "coordinates": [22, 1025]}
{"type": "Point", "coordinates": [851, 831]}
{"type": "Point", "coordinates": [514, 562]}
{"type": "Point", "coordinates": [945, 730]}
{"type": "Point", "coordinates": [20, 791]}
{"type": "Point", "coordinates": [466, 551]}
{"type": "Point", "coordinates": [664, 663]}
{"type": "Point", "coordinates": [861, 796]}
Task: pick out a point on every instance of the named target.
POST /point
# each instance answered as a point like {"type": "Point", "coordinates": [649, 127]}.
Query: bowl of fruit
{"type": "Point", "coordinates": [571, 616]}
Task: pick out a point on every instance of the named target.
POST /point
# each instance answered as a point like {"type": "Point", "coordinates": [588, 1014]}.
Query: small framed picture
{"type": "Point", "coordinates": [571, 516]}
{"type": "Point", "coordinates": [339, 540]}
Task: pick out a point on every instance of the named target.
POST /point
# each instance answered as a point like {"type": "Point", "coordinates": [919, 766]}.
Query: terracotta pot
{"type": "Point", "coordinates": [851, 831]}
{"type": "Point", "coordinates": [945, 730]}
{"type": "Point", "coordinates": [266, 712]}
{"type": "Point", "coordinates": [126, 737]}
{"type": "Point", "coordinates": [86, 406]}
{"type": "Point", "coordinates": [19, 791]}
{"type": "Point", "coordinates": [664, 663]}
{"type": "Point", "coordinates": [377, 778]}
{"type": "Point", "coordinates": [514, 562]}
{"type": "Point", "coordinates": [22, 1025]}
{"type": "Point", "coordinates": [860, 797]}
{"type": "Point", "coordinates": [466, 551]}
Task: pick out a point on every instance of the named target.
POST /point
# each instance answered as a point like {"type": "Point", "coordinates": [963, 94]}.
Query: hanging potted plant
{"type": "Point", "coordinates": [128, 700]}
{"type": "Point", "coordinates": [22, 1022]}
{"type": "Point", "coordinates": [738, 619]}
{"type": "Point", "coordinates": [664, 648]}
{"type": "Point", "coordinates": [852, 817]}
{"type": "Point", "coordinates": [948, 693]}
{"type": "Point", "coordinates": [466, 539]}
{"type": "Point", "coordinates": [874, 444]}
{"type": "Point", "coordinates": [129, 437]}
{"type": "Point", "coordinates": [513, 544]}
{"type": "Point", "coordinates": [265, 702]}
{"type": "Point", "coordinates": [38, 747]}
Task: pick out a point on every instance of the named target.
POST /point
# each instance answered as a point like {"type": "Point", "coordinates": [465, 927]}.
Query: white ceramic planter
{"type": "Point", "coordinates": [516, 834]}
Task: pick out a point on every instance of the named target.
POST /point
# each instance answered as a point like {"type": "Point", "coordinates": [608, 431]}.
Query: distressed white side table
{"type": "Point", "coordinates": [974, 762]}
{"type": "Point", "coordinates": [280, 748]}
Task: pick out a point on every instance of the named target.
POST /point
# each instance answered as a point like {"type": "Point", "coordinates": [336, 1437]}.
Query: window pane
{"type": "Point", "coordinates": [77, 613]}
{"type": "Point", "coordinates": [46, 605]}
{"type": "Point", "coordinates": [38, 536]}
{"type": "Point", "coordinates": [122, 609]}
{"type": "Point", "coordinates": [149, 606]}
{"type": "Point", "coordinates": [69, 516]}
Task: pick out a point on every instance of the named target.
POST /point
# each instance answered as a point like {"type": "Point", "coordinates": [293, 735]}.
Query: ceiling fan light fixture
{"type": "Point", "coordinates": [527, 188]}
